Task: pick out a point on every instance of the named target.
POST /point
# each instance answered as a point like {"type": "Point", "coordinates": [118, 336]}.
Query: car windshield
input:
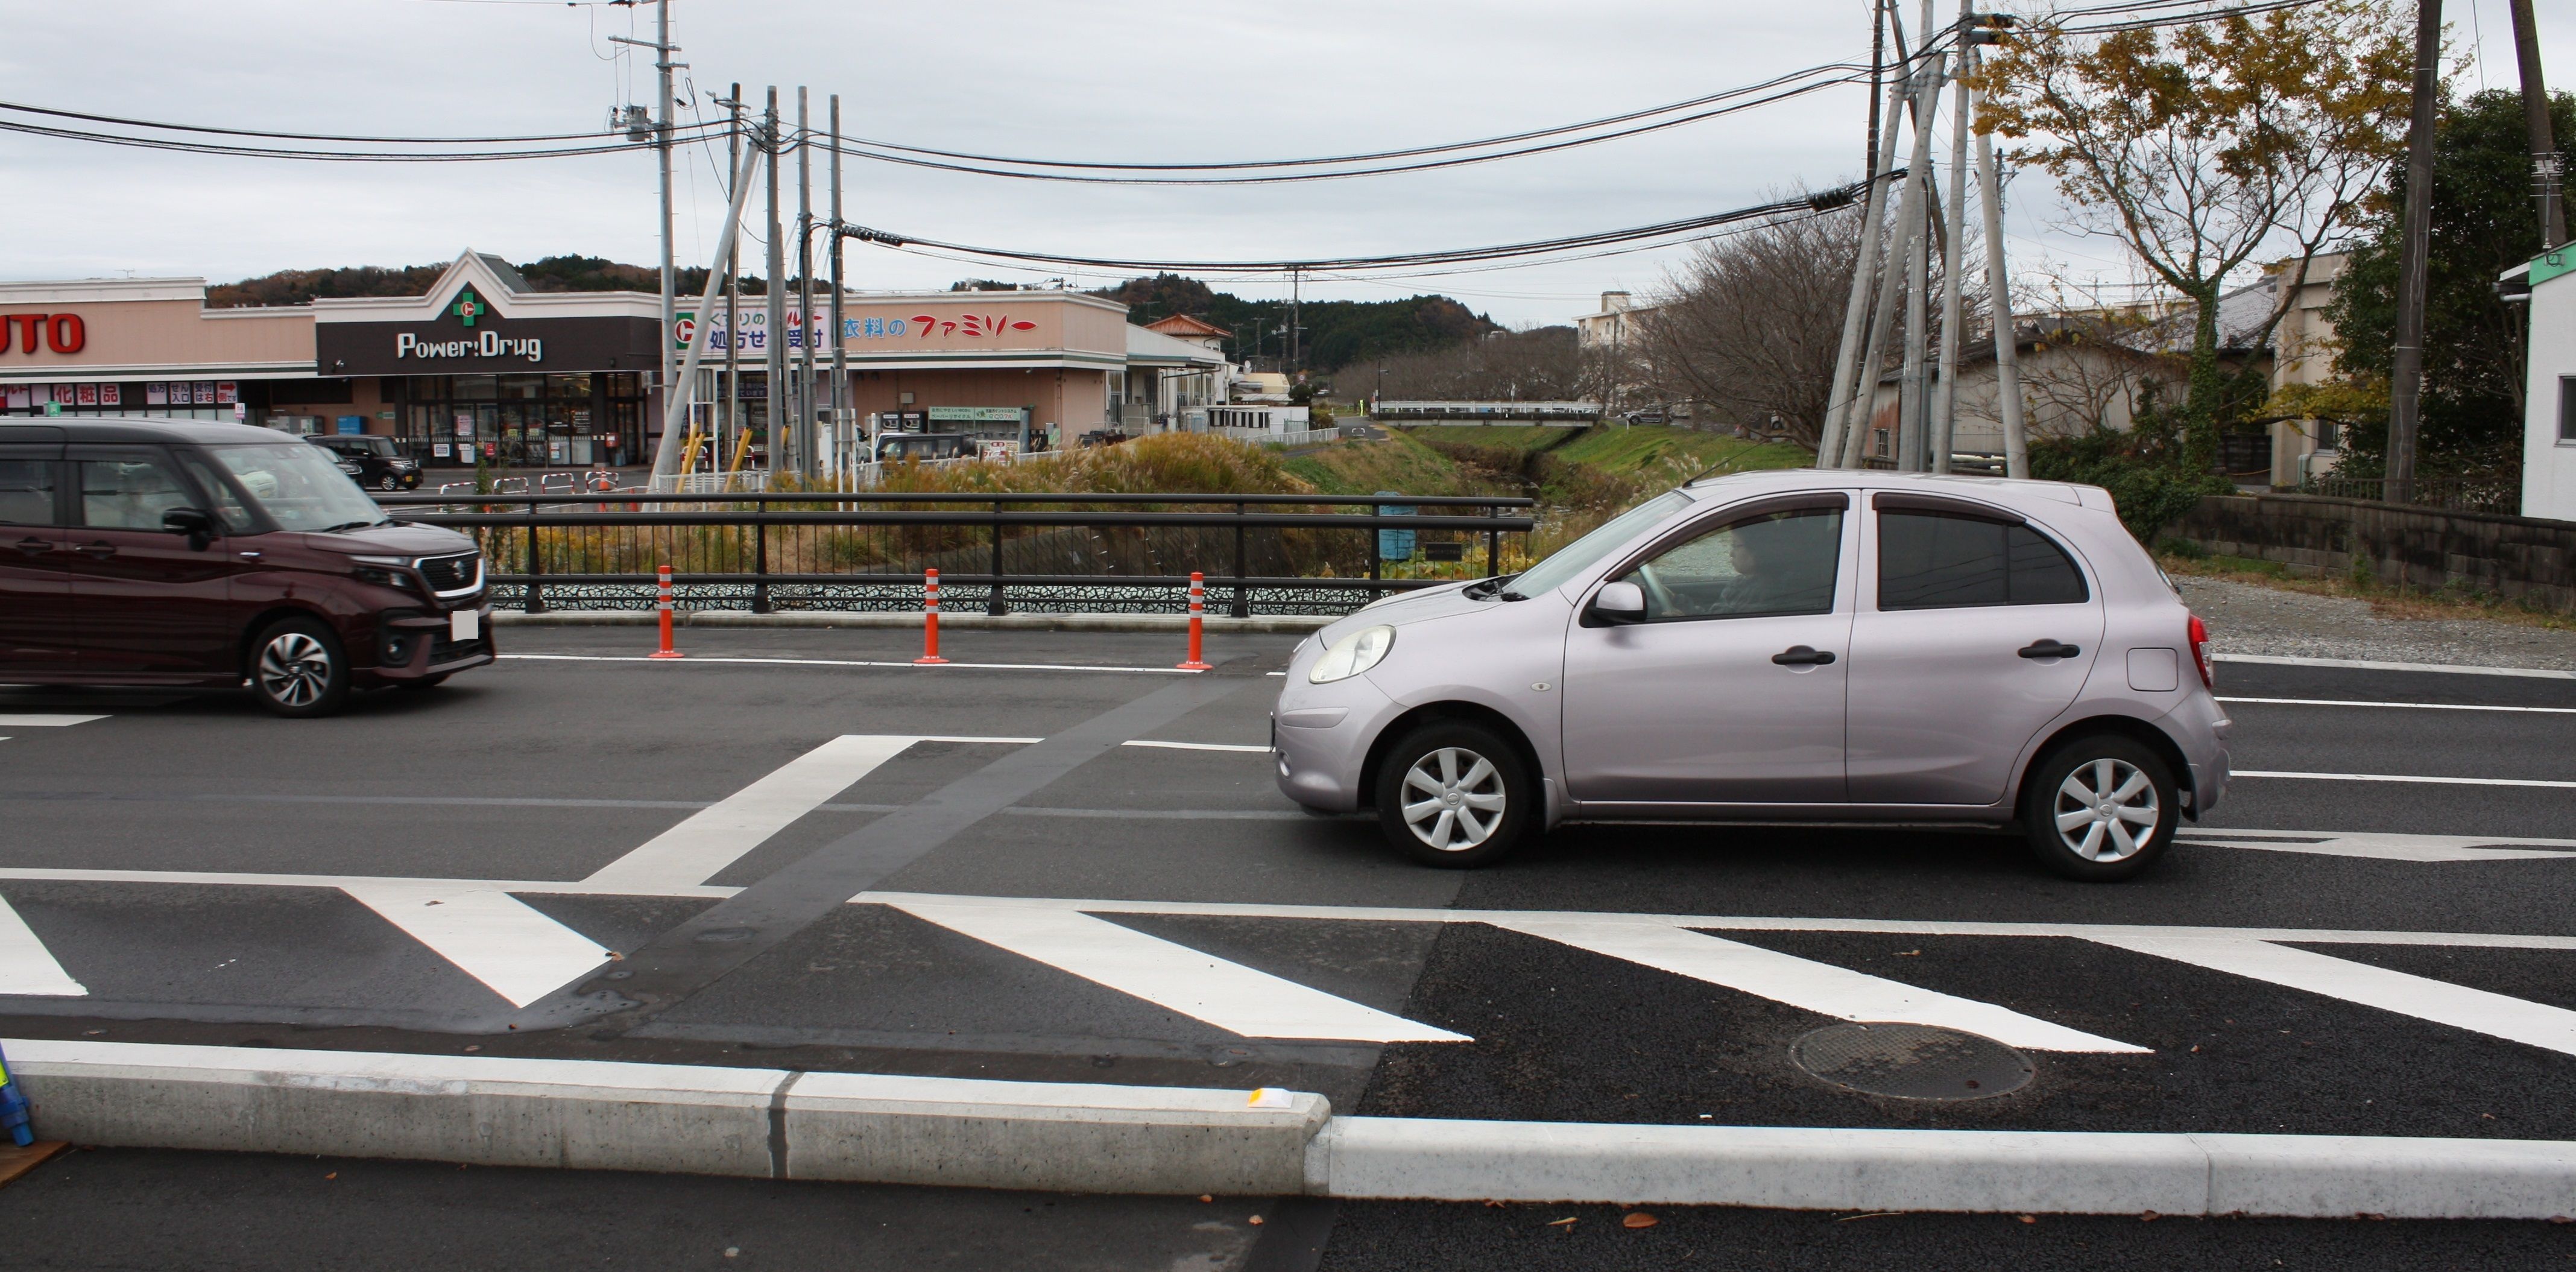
{"type": "Point", "coordinates": [1572, 559]}
{"type": "Point", "coordinates": [300, 487]}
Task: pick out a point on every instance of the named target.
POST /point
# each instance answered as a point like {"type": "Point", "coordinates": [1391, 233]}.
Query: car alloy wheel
{"type": "Point", "coordinates": [2106, 810]}
{"type": "Point", "coordinates": [295, 670]}
{"type": "Point", "coordinates": [1453, 799]}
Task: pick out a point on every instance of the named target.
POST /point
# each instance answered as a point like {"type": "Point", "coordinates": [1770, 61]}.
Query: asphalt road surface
{"type": "Point", "coordinates": [1076, 867]}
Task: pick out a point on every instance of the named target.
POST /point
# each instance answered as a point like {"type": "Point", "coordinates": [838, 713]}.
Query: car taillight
{"type": "Point", "coordinates": [2200, 653]}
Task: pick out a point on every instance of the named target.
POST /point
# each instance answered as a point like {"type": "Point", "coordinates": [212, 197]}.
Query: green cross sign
{"type": "Point", "coordinates": [466, 307]}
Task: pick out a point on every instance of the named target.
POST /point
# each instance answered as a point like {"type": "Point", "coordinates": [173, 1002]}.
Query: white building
{"type": "Point", "coordinates": [2549, 395]}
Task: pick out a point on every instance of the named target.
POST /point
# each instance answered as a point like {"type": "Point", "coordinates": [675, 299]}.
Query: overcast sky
{"type": "Point", "coordinates": [1116, 80]}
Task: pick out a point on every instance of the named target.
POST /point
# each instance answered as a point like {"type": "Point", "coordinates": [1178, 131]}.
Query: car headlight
{"type": "Point", "coordinates": [1352, 655]}
{"type": "Point", "coordinates": [383, 571]}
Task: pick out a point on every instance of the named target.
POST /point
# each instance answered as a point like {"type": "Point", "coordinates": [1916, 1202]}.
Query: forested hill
{"type": "Point", "coordinates": [553, 274]}
{"type": "Point", "coordinates": [1338, 332]}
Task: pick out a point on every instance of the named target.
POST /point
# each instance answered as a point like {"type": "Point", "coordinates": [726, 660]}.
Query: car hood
{"type": "Point", "coordinates": [392, 539]}
{"type": "Point", "coordinates": [1410, 607]}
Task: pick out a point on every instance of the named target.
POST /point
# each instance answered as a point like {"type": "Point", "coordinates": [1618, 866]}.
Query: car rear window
{"type": "Point", "coordinates": [1942, 560]}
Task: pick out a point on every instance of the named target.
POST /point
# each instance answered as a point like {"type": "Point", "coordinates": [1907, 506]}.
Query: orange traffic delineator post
{"type": "Point", "coordinates": [930, 619]}
{"type": "Point", "coordinates": [664, 605]}
{"type": "Point", "coordinates": [1198, 621]}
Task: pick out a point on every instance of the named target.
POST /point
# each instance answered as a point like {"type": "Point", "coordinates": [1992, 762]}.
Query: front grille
{"type": "Point", "coordinates": [444, 650]}
{"type": "Point", "coordinates": [451, 574]}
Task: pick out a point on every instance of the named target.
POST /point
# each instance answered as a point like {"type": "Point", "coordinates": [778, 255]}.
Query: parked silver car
{"type": "Point", "coordinates": [1808, 646]}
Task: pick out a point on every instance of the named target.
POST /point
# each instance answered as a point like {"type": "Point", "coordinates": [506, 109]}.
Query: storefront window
{"type": "Point", "coordinates": [541, 421]}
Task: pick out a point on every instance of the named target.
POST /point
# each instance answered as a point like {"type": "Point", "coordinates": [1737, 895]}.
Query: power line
{"type": "Point", "coordinates": [264, 135]}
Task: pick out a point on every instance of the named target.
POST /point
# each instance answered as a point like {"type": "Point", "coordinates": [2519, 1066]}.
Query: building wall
{"type": "Point", "coordinates": [2548, 464]}
{"type": "Point", "coordinates": [1074, 398]}
{"type": "Point", "coordinates": [164, 329]}
{"type": "Point", "coordinates": [2305, 346]}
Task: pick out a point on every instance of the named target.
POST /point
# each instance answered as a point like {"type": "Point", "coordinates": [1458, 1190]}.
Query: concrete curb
{"type": "Point", "coordinates": [1074, 1137]}
{"type": "Point", "coordinates": [690, 1119]}
{"type": "Point", "coordinates": [950, 621]}
{"type": "Point", "coordinates": [2059, 1172]}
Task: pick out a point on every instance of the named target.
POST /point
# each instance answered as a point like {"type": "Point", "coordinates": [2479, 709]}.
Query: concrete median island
{"type": "Point", "coordinates": [1092, 1138]}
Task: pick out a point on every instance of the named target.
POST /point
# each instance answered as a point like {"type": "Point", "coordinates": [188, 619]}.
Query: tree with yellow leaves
{"type": "Point", "coordinates": [2203, 146]}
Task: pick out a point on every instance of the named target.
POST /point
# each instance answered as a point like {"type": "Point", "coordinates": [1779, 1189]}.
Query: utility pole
{"type": "Point", "coordinates": [666, 455]}
{"type": "Point", "coordinates": [732, 414]}
{"type": "Point", "coordinates": [807, 452]}
{"type": "Point", "coordinates": [1912, 414]}
{"type": "Point", "coordinates": [1296, 327]}
{"type": "Point", "coordinates": [1945, 413]}
{"type": "Point", "coordinates": [1999, 287]}
{"type": "Point", "coordinates": [1870, 162]}
{"type": "Point", "coordinates": [840, 346]}
{"type": "Point", "coordinates": [782, 436]}
{"type": "Point", "coordinates": [662, 63]}
{"type": "Point", "coordinates": [2545, 168]}
{"type": "Point", "coordinates": [1847, 411]}
{"type": "Point", "coordinates": [2406, 374]}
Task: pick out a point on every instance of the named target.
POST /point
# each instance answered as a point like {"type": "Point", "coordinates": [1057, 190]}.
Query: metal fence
{"type": "Point", "coordinates": [1037, 553]}
{"type": "Point", "coordinates": [2448, 493]}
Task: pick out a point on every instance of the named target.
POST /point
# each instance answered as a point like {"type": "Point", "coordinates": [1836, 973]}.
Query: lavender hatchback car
{"type": "Point", "coordinates": [1793, 647]}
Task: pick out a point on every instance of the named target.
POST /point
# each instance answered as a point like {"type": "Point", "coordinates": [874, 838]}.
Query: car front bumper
{"type": "Point", "coordinates": [1320, 736]}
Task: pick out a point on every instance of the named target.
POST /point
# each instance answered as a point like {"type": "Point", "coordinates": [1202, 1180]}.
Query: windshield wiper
{"type": "Point", "coordinates": [352, 525]}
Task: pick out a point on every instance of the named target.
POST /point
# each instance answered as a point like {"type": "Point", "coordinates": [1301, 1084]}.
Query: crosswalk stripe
{"type": "Point", "coordinates": [2382, 846]}
{"type": "Point", "coordinates": [26, 966]}
{"type": "Point", "coordinates": [714, 837]}
{"type": "Point", "coordinates": [519, 953]}
{"type": "Point", "coordinates": [1202, 986]}
{"type": "Point", "coordinates": [2441, 1002]}
{"type": "Point", "coordinates": [1822, 988]}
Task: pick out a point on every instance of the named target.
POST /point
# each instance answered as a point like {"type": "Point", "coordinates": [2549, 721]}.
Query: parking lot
{"type": "Point", "coordinates": [1071, 864]}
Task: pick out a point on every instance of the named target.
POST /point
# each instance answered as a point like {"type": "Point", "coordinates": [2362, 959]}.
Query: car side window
{"type": "Point", "coordinates": [1945, 560]}
{"type": "Point", "coordinates": [1776, 563]}
{"type": "Point", "coordinates": [130, 492]}
{"type": "Point", "coordinates": [27, 490]}
{"type": "Point", "coordinates": [228, 508]}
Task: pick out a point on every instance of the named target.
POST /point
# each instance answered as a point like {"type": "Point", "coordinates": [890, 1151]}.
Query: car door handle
{"type": "Point", "coordinates": [99, 551]}
{"type": "Point", "coordinates": [33, 547]}
{"type": "Point", "coordinates": [2046, 648]}
{"type": "Point", "coordinates": [1802, 656]}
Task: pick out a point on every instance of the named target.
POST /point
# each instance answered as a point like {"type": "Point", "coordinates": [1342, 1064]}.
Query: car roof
{"type": "Point", "coordinates": [135, 428]}
{"type": "Point", "coordinates": [2011, 492]}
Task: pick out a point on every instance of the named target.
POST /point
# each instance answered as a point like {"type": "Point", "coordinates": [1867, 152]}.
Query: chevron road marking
{"type": "Point", "coordinates": [1201, 986]}
{"type": "Point", "coordinates": [1822, 988]}
{"type": "Point", "coordinates": [492, 936]}
{"type": "Point", "coordinates": [2382, 846]}
{"type": "Point", "coordinates": [44, 721]}
{"type": "Point", "coordinates": [26, 966]}
{"type": "Point", "coordinates": [712, 838]}
{"type": "Point", "coordinates": [2476, 1010]}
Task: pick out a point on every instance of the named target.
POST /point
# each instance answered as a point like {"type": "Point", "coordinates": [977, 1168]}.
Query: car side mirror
{"type": "Point", "coordinates": [1620, 603]}
{"type": "Point", "coordinates": [192, 522]}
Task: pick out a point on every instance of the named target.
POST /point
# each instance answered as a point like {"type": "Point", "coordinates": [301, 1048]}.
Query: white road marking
{"type": "Point", "coordinates": [1806, 984]}
{"type": "Point", "coordinates": [2476, 1010]}
{"type": "Point", "coordinates": [519, 953]}
{"type": "Point", "coordinates": [2410, 706]}
{"type": "Point", "coordinates": [715, 837]}
{"type": "Point", "coordinates": [26, 966]}
{"type": "Point", "coordinates": [2363, 664]}
{"type": "Point", "coordinates": [696, 660]}
{"type": "Point", "coordinates": [2401, 777]}
{"type": "Point", "coordinates": [40, 721]}
{"type": "Point", "coordinates": [1199, 746]}
{"type": "Point", "coordinates": [1204, 987]}
{"type": "Point", "coordinates": [2382, 846]}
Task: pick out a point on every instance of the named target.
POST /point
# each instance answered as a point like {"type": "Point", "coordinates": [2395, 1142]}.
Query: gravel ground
{"type": "Point", "coordinates": [2248, 618]}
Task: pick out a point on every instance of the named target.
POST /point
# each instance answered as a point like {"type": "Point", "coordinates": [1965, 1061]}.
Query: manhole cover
{"type": "Point", "coordinates": [1915, 1062]}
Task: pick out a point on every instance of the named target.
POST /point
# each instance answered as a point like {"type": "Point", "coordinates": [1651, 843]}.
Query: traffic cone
{"type": "Point", "coordinates": [13, 1108]}
{"type": "Point", "coordinates": [1198, 620]}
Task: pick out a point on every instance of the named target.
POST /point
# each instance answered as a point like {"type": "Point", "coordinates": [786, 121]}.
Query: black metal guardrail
{"type": "Point", "coordinates": [867, 550]}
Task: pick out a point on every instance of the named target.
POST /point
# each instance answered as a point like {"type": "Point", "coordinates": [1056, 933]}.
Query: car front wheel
{"type": "Point", "coordinates": [1454, 795]}
{"type": "Point", "coordinates": [2100, 808]}
{"type": "Point", "coordinates": [298, 669]}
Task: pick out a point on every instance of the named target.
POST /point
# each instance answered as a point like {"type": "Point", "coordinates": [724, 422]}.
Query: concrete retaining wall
{"type": "Point", "coordinates": [2518, 558]}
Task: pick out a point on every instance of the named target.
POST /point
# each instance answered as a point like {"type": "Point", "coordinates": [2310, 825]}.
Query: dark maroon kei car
{"type": "Point", "coordinates": [138, 551]}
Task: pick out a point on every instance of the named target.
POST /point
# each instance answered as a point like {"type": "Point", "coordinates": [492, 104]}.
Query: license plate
{"type": "Point", "coordinates": [463, 625]}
